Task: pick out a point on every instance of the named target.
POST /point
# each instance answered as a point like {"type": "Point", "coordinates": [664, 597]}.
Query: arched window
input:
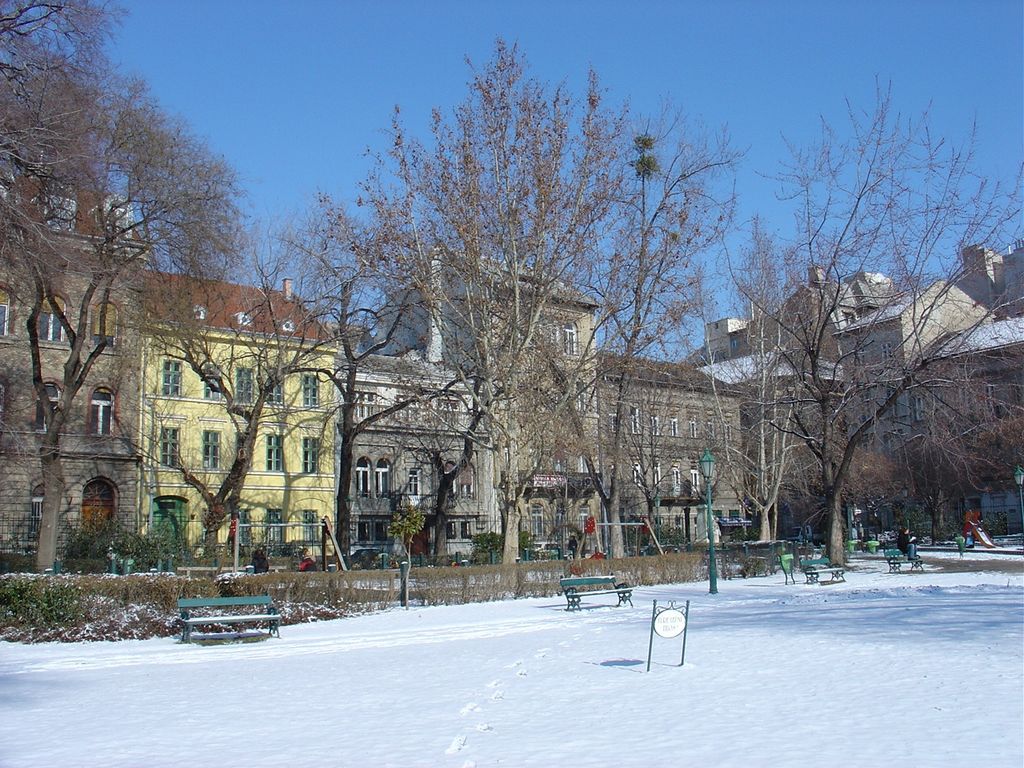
{"type": "Point", "coordinates": [101, 411]}
{"type": "Point", "coordinates": [37, 512]}
{"type": "Point", "coordinates": [50, 313]}
{"type": "Point", "coordinates": [5, 312]}
{"type": "Point", "coordinates": [97, 502]}
{"type": "Point", "coordinates": [363, 477]}
{"type": "Point", "coordinates": [382, 478]}
{"type": "Point", "coordinates": [104, 324]}
{"type": "Point", "coordinates": [53, 395]}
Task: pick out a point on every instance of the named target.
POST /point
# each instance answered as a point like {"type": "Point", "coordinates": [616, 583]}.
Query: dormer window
{"type": "Point", "coordinates": [199, 312]}
{"type": "Point", "coordinates": [288, 326]}
{"type": "Point", "coordinates": [243, 318]}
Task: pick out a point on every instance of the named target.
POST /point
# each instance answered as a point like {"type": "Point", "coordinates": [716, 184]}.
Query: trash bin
{"type": "Point", "coordinates": [851, 546]}
{"type": "Point", "coordinates": [872, 546]}
{"type": "Point", "coordinates": [961, 543]}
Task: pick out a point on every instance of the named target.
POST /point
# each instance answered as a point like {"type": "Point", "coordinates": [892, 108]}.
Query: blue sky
{"type": "Point", "coordinates": [294, 93]}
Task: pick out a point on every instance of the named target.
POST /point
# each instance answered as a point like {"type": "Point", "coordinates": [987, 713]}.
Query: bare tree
{"type": "Point", "coordinates": [669, 210]}
{"type": "Point", "coordinates": [889, 199]}
{"type": "Point", "coordinates": [499, 214]}
{"type": "Point", "coordinates": [97, 182]}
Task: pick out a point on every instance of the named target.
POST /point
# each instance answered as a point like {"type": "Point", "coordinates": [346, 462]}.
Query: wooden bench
{"type": "Point", "coordinates": [814, 568]}
{"type": "Point", "coordinates": [212, 612]}
{"type": "Point", "coordinates": [576, 587]}
{"type": "Point", "coordinates": [896, 559]}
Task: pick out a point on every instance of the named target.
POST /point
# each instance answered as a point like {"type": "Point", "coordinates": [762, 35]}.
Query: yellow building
{"type": "Point", "coordinates": [236, 414]}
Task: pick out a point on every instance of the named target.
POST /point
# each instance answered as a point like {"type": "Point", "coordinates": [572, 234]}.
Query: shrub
{"type": "Point", "coordinates": [39, 602]}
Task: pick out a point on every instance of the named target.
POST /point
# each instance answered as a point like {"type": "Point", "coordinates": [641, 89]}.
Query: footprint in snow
{"type": "Point", "coordinates": [498, 695]}
{"type": "Point", "coordinates": [484, 727]}
{"type": "Point", "coordinates": [520, 673]}
{"type": "Point", "coordinates": [471, 707]}
{"type": "Point", "coordinates": [541, 653]}
{"type": "Point", "coordinates": [457, 744]}
{"type": "Point", "coordinates": [494, 683]}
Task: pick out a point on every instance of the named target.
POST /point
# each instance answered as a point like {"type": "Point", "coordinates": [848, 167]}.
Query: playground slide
{"type": "Point", "coordinates": [981, 535]}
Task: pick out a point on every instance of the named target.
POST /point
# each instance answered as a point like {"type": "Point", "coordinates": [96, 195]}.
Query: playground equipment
{"type": "Point", "coordinates": [973, 530]}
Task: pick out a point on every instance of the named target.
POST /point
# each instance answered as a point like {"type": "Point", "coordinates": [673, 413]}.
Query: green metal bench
{"type": "Point", "coordinates": [210, 611]}
{"type": "Point", "coordinates": [896, 559]}
{"type": "Point", "coordinates": [815, 568]}
{"type": "Point", "coordinates": [575, 588]}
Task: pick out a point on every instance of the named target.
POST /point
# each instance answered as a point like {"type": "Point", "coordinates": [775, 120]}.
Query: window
{"type": "Point", "coordinates": [677, 481]}
{"type": "Point", "coordinates": [37, 512]}
{"type": "Point", "coordinates": [171, 379]}
{"type": "Point", "coordinates": [100, 411]}
{"type": "Point", "coordinates": [49, 327]}
{"type": "Point", "coordinates": [310, 391]}
{"type": "Point", "coordinates": [310, 526]}
{"type": "Point", "coordinates": [53, 397]}
{"type": "Point", "coordinates": [199, 312]}
{"type": "Point", "coordinates": [274, 524]}
{"type": "Point", "coordinates": [655, 425]}
{"type": "Point", "coordinates": [243, 385]}
{"type": "Point", "coordinates": [3, 394]}
{"type": "Point", "coordinates": [414, 482]}
{"type": "Point", "coordinates": [465, 531]}
{"type": "Point", "coordinates": [657, 472]}
{"type": "Point", "coordinates": [634, 420]}
{"type": "Point", "coordinates": [466, 483]}
{"type": "Point", "coordinates": [695, 479]}
{"type": "Point", "coordinates": [918, 406]}
{"type": "Point", "coordinates": [382, 478]}
{"type": "Point", "coordinates": [243, 318]}
{"type": "Point", "coordinates": [693, 428]}
{"type": "Point", "coordinates": [210, 390]}
{"type": "Point", "coordinates": [537, 520]}
{"type": "Point", "coordinates": [709, 428]}
{"type": "Point", "coordinates": [310, 455]}
{"type": "Point", "coordinates": [275, 453]}
{"type": "Point", "coordinates": [244, 527]}
{"type": "Point", "coordinates": [276, 394]}
{"type": "Point", "coordinates": [169, 444]}
{"type": "Point", "coordinates": [638, 476]}
{"type": "Point", "coordinates": [363, 477]}
{"type": "Point", "coordinates": [104, 324]}
{"type": "Point", "coordinates": [5, 312]}
{"type": "Point", "coordinates": [727, 431]}
{"type": "Point", "coordinates": [570, 340]}
{"type": "Point", "coordinates": [673, 427]}
{"type": "Point", "coordinates": [211, 450]}
{"type": "Point", "coordinates": [888, 349]}
{"type": "Point", "coordinates": [364, 404]}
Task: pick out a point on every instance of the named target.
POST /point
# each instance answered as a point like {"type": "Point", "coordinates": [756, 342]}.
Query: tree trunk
{"type": "Point", "coordinates": [53, 495]}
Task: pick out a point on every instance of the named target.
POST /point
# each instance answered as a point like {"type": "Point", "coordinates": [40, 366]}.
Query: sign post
{"type": "Point", "coordinates": [668, 623]}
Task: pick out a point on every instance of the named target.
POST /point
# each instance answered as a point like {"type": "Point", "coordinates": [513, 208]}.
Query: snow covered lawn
{"type": "Point", "coordinates": [916, 669]}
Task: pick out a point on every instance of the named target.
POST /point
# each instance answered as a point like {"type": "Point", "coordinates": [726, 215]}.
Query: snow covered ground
{"type": "Point", "coordinates": [916, 669]}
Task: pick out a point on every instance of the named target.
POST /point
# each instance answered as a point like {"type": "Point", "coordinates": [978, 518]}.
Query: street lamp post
{"type": "Point", "coordinates": [707, 469]}
{"type": "Point", "coordinates": [1018, 476]}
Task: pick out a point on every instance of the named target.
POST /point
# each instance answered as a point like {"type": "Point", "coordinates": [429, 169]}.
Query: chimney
{"type": "Point", "coordinates": [287, 289]}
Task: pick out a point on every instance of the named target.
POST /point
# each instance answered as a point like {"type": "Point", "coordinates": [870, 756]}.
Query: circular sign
{"type": "Point", "coordinates": [670, 623]}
